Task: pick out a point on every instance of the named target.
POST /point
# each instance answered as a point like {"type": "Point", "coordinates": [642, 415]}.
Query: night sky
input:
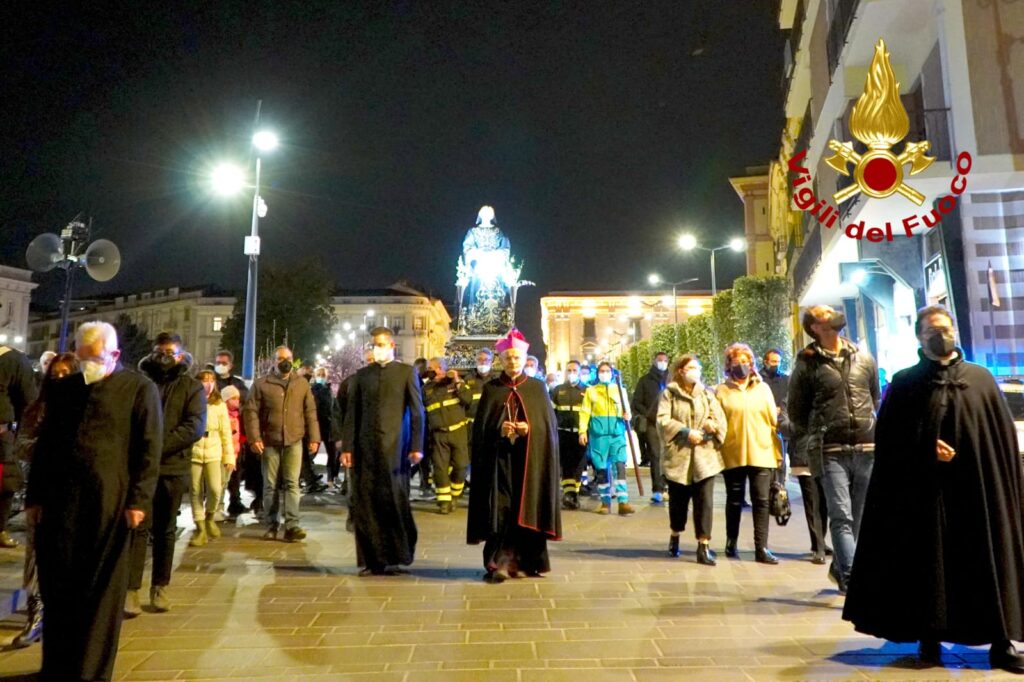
{"type": "Point", "coordinates": [597, 130]}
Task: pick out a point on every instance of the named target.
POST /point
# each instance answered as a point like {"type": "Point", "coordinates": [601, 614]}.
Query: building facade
{"type": "Point", "coordinates": [591, 326]}
{"type": "Point", "coordinates": [959, 81]}
{"type": "Point", "coordinates": [752, 188]}
{"type": "Point", "coordinates": [16, 287]}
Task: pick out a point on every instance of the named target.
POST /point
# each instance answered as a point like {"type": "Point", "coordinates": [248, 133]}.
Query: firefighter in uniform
{"type": "Point", "coordinates": [445, 400]}
{"type": "Point", "coordinates": [568, 401]}
{"type": "Point", "coordinates": [475, 383]}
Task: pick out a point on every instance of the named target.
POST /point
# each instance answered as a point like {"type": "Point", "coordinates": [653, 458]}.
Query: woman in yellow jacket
{"type": "Point", "coordinates": [603, 418]}
{"type": "Point", "coordinates": [212, 455]}
{"type": "Point", "coordinates": [749, 451]}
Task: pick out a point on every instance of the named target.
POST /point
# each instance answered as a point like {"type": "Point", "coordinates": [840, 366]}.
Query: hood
{"type": "Point", "coordinates": [154, 372]}
{"type": "Point", "coordinates": [680, 392]}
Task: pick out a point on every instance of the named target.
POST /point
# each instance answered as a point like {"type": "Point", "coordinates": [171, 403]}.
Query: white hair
{"type": "Point", "coordinates": [89, 333]}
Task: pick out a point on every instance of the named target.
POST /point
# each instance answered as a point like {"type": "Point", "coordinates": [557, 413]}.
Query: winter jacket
{"type": "Point", "coordinates": [646, 396]}
{"type": "Point", "coordinates": [834, 399]}
{"type": "Point", "coordinates": [324, 400]}
{"type": "Point", "coordinates": [678, 413]}
{"type": "Point", "coordinates": [568, 402]}
{"type": "Point", "coordinates": [281, 411]}
{"type": "Point", "coordinates": [780, 391]}
{"type": "Point", "coordinates": [602, 411]}
{"type": "Point", "coordinates": [17, 392]}
{"type": "Point", "coordinates": [751, 424]}
{"type": "Point", "coordinates": [445, 403]}
{"type": "Point", "coordinates": [475, 383]}
{"type": "Point", "coordinates": [184, 412]}
{"type": "Point", "coordinates": [235, 415]}
{"type": "Point", "coordinates": [217, 444]}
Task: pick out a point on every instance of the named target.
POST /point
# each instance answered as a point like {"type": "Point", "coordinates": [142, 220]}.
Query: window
{"type": "Point", "coordinates": [589, 328]}
{"type": "Point", "coordinates": [419, 323]}
{"type": "Point", "coordinates": [635, 328]}
{"type": "Point", "coordinates": [218, 322]}
{"type": "Point", "coordinates": [398, 323]}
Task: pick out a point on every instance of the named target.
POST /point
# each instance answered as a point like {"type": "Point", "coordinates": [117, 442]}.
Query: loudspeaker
{"type": "Point", "coordinates": [102, 260]}
{"type": "Point", "coordinates": [45, 252]}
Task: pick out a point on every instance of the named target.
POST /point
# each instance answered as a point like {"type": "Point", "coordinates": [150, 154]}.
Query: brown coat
{"type": "Point", "coordinates": [281, 411]}
{"type": "Point", "coordinates": [678, 412]}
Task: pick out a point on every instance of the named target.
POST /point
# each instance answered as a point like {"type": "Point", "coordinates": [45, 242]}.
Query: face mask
{"type": "Point", "coordinates": [838, 322]}
{"type": "Point", "coordinates": [164, 361]}
{"type": "Point", "coordinates": [692, 376]}
{"type": "Point", "coordinates": [93, 371]}
{"type": "Point", "coordinates": [940, 345]}
{"type": "Point", "coordinates": [574, 378]}
{"type": "Point", "coordinates": [604, 377]}
{"type": "Point", "coordinates": [320, 380]}
{"type": "Point", "coordinates": [483, 369]}
{"type": "Point", "coordinates": [739, 372]}
{"type": "Point", "coordinates": [530, 371]}
{"type": "Point", "coordinates": [284, 366]}
{"type": "Point", "coordinates": [585, 378]}
{"type": "Point", "coordinates": [222, 370]}
{"type": "Point", "coordinates": [661, 365]}
{"type": "Point", "coordinates": [383, 356]}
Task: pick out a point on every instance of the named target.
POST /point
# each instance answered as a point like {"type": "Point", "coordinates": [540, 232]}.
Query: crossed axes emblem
{"type": "Point", "coordinates": [885, 175]}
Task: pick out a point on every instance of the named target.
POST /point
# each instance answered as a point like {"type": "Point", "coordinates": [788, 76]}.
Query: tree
{"type": "Point", "coordinates": [133, 341]}
{"type": "Point", "coordinates": [342, 363]}
{"type": "Point", "coordinates": [702, 342]}
{"type": "Point", "coordinates": [760, 308]}
{"type": "Point", "coordinates": [724, 318]}
{"type": "Point", "coordinates": [663, 339]}
{"type": "Point", "coordinates": [293, 308]}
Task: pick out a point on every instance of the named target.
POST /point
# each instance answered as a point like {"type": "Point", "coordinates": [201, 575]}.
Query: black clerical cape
{"type": "Point", "coordinates": [516, 484]}
{"type": "Point", "coordinates": [383, 424]}
{"type": "Point", "coordinates": [98, 453]}
{"type": "Point", "coordinates": [940, 554]}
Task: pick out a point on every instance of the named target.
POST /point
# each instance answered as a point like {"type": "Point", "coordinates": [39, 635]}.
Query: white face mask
{"type": "Point", "coordinates": [574, 378]}
{"type": "Point", "coordinates": [93, 371]}
{"type": "Point", "coordinates": [530, 371]}
{"type": "Point", "coordinates": [692, 376]}
{"type": "Point", "coordinates": [604, 377]}
{"type": "Point", "coordinates": [661, 365]}
{"type": "Point", "coordinates": [222, 370]}
{"type": "Point", "coordinates": [483, 369]}
{"type": "Point", "coordinates": [383, 355]}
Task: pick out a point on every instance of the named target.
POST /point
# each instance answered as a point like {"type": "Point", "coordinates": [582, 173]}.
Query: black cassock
{"type": "Point", "coordinates": [515, 499]}
{"type": "Point", "coordinates": [98, 454]}
{"type": "Point", "coordinates": [941, 549]}
{"type": "Point", "coordinates": [383, 424]}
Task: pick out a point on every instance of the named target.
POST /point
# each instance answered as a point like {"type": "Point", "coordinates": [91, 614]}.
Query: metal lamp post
{"type": "Point", "coordinates": [654, 279]}
{"type": "Point", "coordinates": [688, 242]}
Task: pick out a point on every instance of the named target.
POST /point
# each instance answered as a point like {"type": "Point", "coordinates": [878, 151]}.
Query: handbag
{"type": "Point", "coordinates": [778, 502]}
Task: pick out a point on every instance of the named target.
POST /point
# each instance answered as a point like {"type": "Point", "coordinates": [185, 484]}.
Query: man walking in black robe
{"type": "Point", "coordinates": [941, 555]}
{"type": "Point", "coordinates": [382, 438]}
{"type": "Point", "coordinates": [515, 505]}
{"type": "Point", "coordinates": [94, 469]}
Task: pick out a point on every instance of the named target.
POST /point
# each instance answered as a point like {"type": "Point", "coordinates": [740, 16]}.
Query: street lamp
{"type": "Point", "coordinates": [687, 242]}
{"type": "Point", "coordinates": [655, 280]}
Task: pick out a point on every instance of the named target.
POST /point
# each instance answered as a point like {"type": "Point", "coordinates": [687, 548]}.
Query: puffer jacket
{"type": "Point", "coordinates": [184, 410]}
{"type": "Point", "coordinates": [834, 400]}
{"type": "Point", "coordinates": [678, 413]}
{"type": "Point", "coordinates": [217, 444]}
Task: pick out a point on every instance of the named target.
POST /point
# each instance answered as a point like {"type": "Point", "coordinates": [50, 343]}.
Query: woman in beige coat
{"type": "Point", "coordinates": [692, 427]}
{"type": "Point", "coordinates": [750, 450]}
{"type": "Point", "coordinates": [212, 455]}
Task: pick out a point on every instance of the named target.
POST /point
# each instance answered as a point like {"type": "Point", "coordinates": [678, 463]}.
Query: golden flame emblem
{"type": "Point", "coordinates": [879, 121]}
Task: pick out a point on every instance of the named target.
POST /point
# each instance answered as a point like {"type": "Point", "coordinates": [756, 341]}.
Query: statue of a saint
{"type": "Point", "coordinates": [487, 279]}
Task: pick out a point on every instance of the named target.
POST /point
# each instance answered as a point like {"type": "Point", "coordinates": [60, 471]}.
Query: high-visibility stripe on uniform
{"type": "Point", "coordinates": [477, 396]}
{"type": "Point", "coordinates": [444, 494]}
{"type": "Point", "coordinates": [455, 427]}
{"type": "Point", "coordinates": [444, 403]}
{"type": "Point", "coordinates": [569, 408]}
{"type": "Point", "coordinates": [457, 489]}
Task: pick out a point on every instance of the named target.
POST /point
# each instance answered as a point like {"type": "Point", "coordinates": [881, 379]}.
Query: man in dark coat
{"type": "Point", "coordinates": [184, 410]}
{"type": "Point", "coordinates": [941, 555]}
{"type": "Point", "coordinates": [515, 504]}
{"type": "Point", "coordinates": [17, 392]}
{"type": "Point", "coordinates": [645, 406]}
{"type": "Point", "coordinates": [94, 469]}
{"type": "Point", "coordinates": [382, 438]}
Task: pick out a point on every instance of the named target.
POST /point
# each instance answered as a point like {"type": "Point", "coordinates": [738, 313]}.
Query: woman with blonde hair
{"type": "Point", "coordinates": [212, 456]}
{"type": "Point", "coordinates": [749, 451]}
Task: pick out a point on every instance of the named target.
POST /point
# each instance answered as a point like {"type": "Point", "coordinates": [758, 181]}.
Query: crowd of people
{"type": "Point", "coordinates": [919, 493]}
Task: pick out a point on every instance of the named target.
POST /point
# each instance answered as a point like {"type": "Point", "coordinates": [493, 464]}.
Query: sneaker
{"type": "Point", "coordinates": [212, 531]}
{"type": "Point", "coordinates": [198, 538]}
{"type": "Point", "coordinates": [604, 509]}
{"type": "Point", "coordinates": [132, 604]}
{"type": "Point", "coordinates": [294, 534]}
{"type": "Point", "coordinates": [218, 516]}
{"type": "Point", "coordinates": [159, 600]}
{"type": "Point", "coordinates": [656, 498]}
{"type": "Point", "coordinates": [625, 509]}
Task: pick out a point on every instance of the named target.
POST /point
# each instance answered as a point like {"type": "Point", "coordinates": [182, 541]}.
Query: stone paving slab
{"type": "Point", "coordinates": [615, 608]}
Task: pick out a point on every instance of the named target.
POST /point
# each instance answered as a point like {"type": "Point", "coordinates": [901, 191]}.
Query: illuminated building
{"type": "Point", "coordinates": [16, 287]}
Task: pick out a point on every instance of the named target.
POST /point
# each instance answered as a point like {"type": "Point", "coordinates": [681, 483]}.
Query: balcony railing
{"type": "Point", "coordinates": [839, 29]}
{"type": "Point", "coordinates": [808, 260]}
{"type": "Point", "coordinates": [932, 125]}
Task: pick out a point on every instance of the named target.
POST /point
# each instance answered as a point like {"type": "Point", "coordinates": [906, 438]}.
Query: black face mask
{"type": "Point", "coordinates": [771, 371]}
{"type": "Point", "coordinates": [837, 322]}
{"type": "Point", "coordinates": [940, 345]}
{"type": "Point", "coordinates": [284, 366]}
{"type": "Point", "coordinates": [740, 372]}
{"type": "Point", "coordinates": [164, 361]}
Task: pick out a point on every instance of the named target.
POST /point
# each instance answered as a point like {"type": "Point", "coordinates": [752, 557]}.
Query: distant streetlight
{"type": "Point", "coordinates": [265, 141]}
{"type": "Point", "coordinates": [655, 280]}
{"type": "Point", "coordinates": [687, 242]}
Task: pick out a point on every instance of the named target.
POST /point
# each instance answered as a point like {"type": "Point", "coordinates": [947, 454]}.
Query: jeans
{"type": "Point", "coordinates": [703, 495]}
{"type": "Point", "coordinates": [206, 477]}
{"type": "Point", "coordinates": [735, 485]}
{"type": "Point", "coordinates": [285, 461]}
{"type": "Point", "coordinates": [845, 478]}
{"type": "Point", "coordinates": [163, 523]}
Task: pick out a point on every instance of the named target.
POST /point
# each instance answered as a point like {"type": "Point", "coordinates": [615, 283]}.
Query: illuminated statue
{"type": "Point", "coordinates": [487, 280]}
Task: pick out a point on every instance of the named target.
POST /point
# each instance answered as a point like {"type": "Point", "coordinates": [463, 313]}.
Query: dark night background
{"type": "Point", "coordinates": [596, 130]}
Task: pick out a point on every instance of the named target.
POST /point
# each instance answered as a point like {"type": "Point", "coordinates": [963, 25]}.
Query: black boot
{"type": "Point", "coordinates": [33, 630]}
{"type": "Point", "coordinates": [1004, 656]}
{"type": "Point", "coordinates": [673, 546]}
{"type": "Point", "coordinates": [730, 549]}
{"type": "Point", "coordinates": [705, 555]}
{"type": "Point", "coordinates": [930, 651]}
{"type": "Point", "coordinates": [765, 556]}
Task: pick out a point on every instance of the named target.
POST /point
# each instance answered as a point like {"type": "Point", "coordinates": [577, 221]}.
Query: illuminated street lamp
{"type": "Point", "coordinates": [687, 242]}
{"type": "Point", "coordinates": [654, 279]}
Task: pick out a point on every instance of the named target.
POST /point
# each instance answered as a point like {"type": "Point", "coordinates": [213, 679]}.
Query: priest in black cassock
{"type": "Point", "coordinates": [515, 501]}
{"type": "Point", "coordinates": [93, 473]}
{"type": "Point", "coordinates": [941, 550]}
{"type": "Point", "coordinates": [382, 438]}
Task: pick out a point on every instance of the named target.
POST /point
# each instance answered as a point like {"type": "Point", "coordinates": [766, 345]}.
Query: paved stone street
{"type": "Point", "coordinates": [614, 608]}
